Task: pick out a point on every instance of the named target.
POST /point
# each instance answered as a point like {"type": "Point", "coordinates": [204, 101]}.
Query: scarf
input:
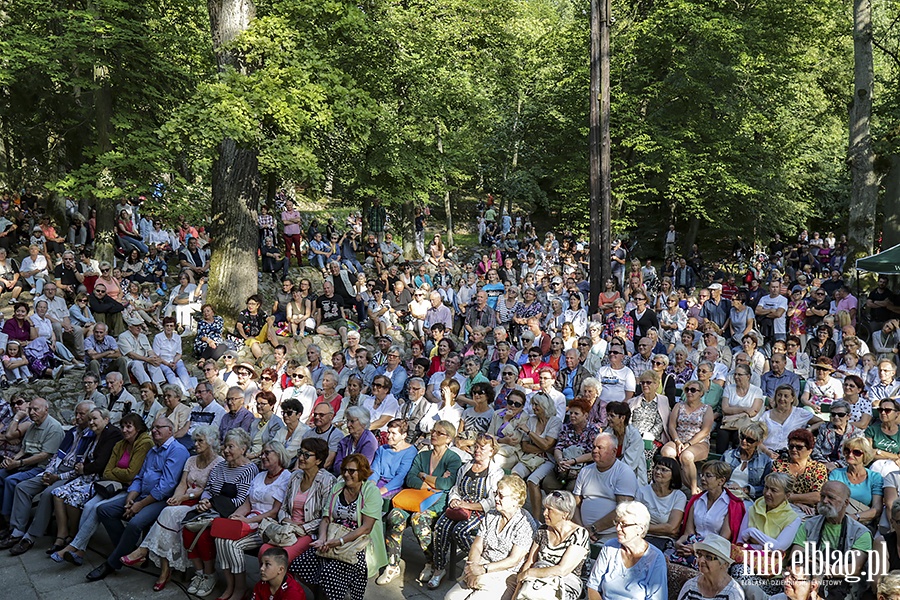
{"type": "Point", "coordinates": [774, 521]}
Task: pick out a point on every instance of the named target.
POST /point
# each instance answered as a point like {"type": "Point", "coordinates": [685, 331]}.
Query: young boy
{"type": "Point", "coordinates": [275, 582]}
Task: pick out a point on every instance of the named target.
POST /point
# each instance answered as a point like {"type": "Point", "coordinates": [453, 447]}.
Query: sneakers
{"type": "Point", "coordinates": [206, 585]}
{"type": "Point", "coordinates": [390, 573]}
{"type": "Point", "coordinates": [195, 581]}
{"type": "Point", "coordinates": [57, 373]}
{"type": "Point", "coordinates": [436, 579]}
{"type": "Point", "coordinates": [426, 573]}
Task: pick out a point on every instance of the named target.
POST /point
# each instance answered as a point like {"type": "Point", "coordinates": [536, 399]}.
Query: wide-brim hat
{"type": "Point", "coordinates": [823, 362]}
{"type": "Point", "coordinates": [716, 544]}
{"type": "Point", "coordinates": [248, 366]}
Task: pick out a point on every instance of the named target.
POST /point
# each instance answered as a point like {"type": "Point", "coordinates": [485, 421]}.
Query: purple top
{"type": "Point", "coordinates": [366, 446]}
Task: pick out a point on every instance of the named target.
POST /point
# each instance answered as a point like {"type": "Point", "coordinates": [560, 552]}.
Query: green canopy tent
{"type": "Point", "coordinates": [887, 262]}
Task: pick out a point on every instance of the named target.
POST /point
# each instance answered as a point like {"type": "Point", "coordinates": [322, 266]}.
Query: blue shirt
{"type": "Point", "coordinates": [873, 485]}
{"type": "Point", "coordinates": [645, 580]}
{"type": "Point", "coordinates": [769, 382]}
{"type": "Point", "coordinates": [398, 378]}
{"type": "Point", "coordinates": [161, 471]}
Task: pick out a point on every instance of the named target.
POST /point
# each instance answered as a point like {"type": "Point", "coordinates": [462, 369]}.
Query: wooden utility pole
{"type": "Point", "coordinates": [600, 268]}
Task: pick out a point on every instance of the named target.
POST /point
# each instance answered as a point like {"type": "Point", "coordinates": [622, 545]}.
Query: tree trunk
{"type": "Point", "coordinates": [447, 208]}
{"type": "Point", "coordinates": [691, 237]}
{"type": "Point", "coordinates": [236, 189]}
{"type": "Point", "coordinates": [891, 202]}
{"type": "Point", "coordinates": [103, 238]}
{"type": "Point", "coordinates": [408, 229]}
{"type": "Point", "coordinates": [236, 184]}
{"type": "Point", "coordinates": [861, 155]}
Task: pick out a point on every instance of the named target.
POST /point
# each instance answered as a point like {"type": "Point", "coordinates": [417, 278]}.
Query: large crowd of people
{"type": "Point", "coordinates": [661, 445]}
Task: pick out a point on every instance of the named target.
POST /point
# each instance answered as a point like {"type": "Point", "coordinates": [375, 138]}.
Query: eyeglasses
{"type": "Point", "coordinates": [797, 447]}
{"type": "Point", "coordinates": [856, 452]}
{"type": "Point", "coordinates": [158, 427]}
{"type": "Point", "coordinates": [706, 556]}
{"type": "Point", "coordinates": [267, 379]}
{"type": "Point", "coordinates": [306, 454]}
{"type": "Point", "coordinates": [624, 526]}
{"type": "Point", "coordinates": [379, 385]}
{"type": "Point", "coordinates": [321, 414]}
{"type": "Point", "coordinates": [646, 383]}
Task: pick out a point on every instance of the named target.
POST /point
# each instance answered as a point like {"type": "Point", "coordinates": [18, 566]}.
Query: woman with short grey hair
{"type": "Point", "coordinates": [360, 440]}
{"type": "Point", "coordinates": [628, 566]}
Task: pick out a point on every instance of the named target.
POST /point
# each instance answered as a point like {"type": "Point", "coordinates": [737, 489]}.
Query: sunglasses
{"type": "Point", "coordinates": [692, 390]}
{"type": "Point", "coordinates": [749, 440]}
{"type": "Point", "coordinates": [659, 363]}
{"type": "Point", "coordinates": [18, 403]}
{"type": "Point", "coordinates": [853, 452]}
{"type": "Point", "coordinates": [885, 409]}
{"type": "Point", "coordinates": [615, 352]}
{"type": "Point", "coordinates": [840, 415]}
{"type": "Point", "coordinates": [349, 470]}
{"type": "Point", "coordinates": [516, 404]}
{"type": "Point", "coordinates": [379, 385]}
{"type": "Point", "coordinates": [797, 447]}
{"type": "Point", "coordinates": [267, 379]}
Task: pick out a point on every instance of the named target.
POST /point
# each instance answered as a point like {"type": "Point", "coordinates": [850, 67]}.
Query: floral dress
{"type": "Point", "coordinates": [689, 424]}
{"type": "Point", "coordinates": [797, 322]}
{"type": "Point", "coordinates": [211, 330]}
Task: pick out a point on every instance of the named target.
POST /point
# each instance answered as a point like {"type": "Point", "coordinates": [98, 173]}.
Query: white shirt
{"type": "Point", "coordinates": [768, 302]}
{"type": "Point", "coordinates": [56, 308]}
{"type": "Point", "coordinates": [745, 401]}
{"type": "Point", "coordinates": [616, 382]}
{"type": "Point", "coordinates": [559, 400]}
{"type": "Point", "coordinates": [709, 519]}
{"type": "Point", "coordinates": [167, 348]}
{"type": "Point", "coordinates": [39, 264]}
{"type": "Point", "coordinates": [44, 326]}
{"type": "Point", "coordinates": [389, 406]}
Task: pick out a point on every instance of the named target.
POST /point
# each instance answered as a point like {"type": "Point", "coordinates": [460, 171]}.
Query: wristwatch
{"type": "Point", "coordinates": [593, 528]}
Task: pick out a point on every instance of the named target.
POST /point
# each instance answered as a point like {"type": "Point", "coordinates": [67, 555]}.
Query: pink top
{"type": "Point", "coordinates": [297, 507]}
{"type": "Point", "coordinates": [125, 460]}
{"type": "Point", "coordinates": [290, 228]}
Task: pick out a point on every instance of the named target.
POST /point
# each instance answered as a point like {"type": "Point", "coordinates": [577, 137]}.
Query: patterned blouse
{"type": "Point", "coordinates": [810, 480]}
{"type": "Point", "coordinates": [211, 330]}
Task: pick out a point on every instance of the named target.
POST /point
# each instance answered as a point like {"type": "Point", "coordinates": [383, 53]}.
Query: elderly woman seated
{"type": "Point", "coordinates": [558, 552]}
{"type": "Point", "coordinates": [831, 435]}
{"type": "Point", "coordinates": [770, 523]}
{"type": "Point", "coordinates": [500, 547]}
{"type": "Point", "coordinates": [809, 475]}
{"type": "Point", "coordinates": [866, 485]}
{"type": "Point", "coordinates": [714, 558]}
{"type": "Point", "coordinates": [665, 501]}
{"type": "Point", "coordinates": [629, 567]}
{"type": "Point", "coordinates": [749, 464]}
{"type": "Point", "coordinates": [468, 501]}
{"type": "Point", "coordinates": [360, 440]}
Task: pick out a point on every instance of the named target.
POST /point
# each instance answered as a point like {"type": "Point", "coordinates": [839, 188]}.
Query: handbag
{"type": "Point", "coordinates": [458, 514]}
{"type": "Point", "coordinates": [278, 534]}
{"type": "Point", "coordinates": [543, 588]}
{"type": "Point", "coordinates": [230, 529]}
{"type": "Point", "coordinates": [106, 489]}
{"type": "Point", "coordinates": [197, 521]}
{"type": "Point", "coordinates": [412, 500]}
{"type": "Point", "coordinates": [346, 553]}
{"type": "Point", "coordinates": [736, 422]}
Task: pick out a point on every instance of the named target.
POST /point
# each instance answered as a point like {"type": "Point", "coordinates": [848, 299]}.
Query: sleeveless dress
{"type": "Point", "coordinates": [689, 424]}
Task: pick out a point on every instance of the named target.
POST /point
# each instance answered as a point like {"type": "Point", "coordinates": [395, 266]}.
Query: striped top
{"type": "Point", "coordinates": [221, 474]}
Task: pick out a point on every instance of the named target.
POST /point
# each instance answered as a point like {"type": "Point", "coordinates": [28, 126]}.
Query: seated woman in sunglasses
{"type": "Point", "coordinates": [809, 475]}
{"type": "Point", "coordinates": [690, 424]}
{"type": "Point", "coordinates": [866, 485]}
{"type": "Point", "coordinates": [831, 436]}
{"type": "Point", "coordinates": [783, 418]}
{"type": "Point", "coordinates": [749, 463]}
{"type": "Point", "coordinates": [884, 436]}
